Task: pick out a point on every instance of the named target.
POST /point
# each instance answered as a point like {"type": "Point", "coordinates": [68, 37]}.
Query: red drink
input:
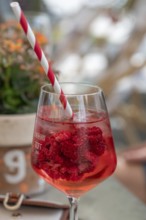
{"type": "Point", "coordinates": [73, 155]}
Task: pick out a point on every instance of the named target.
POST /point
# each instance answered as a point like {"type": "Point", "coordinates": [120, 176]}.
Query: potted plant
{"type": "Point", "coordinates": [20, 79]}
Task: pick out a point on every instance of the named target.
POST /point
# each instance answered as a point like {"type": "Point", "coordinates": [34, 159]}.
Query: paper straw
{"type": "Point", "coordinates": [40, 54]}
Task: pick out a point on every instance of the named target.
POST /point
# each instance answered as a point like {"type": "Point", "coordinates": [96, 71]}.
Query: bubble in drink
{"type": "Point", "coordinates": [73, 155]}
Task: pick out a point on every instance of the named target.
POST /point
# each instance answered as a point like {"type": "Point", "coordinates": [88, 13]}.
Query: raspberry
{"type": "Point", "coordinates": [69, 155]}
{"type": "Point", "coordinates": [99, 150]}
{"type": "Point", "coordinates": [71, 174]}
{"type": "Point", "coordinates": [86, 167]}
{"type": "Point", "coordinates": [90, 157]}
{"type": "Point", "coordinates": [63, 136]}
{"type": "Point", "coordinates": [52, 146]}
{"type": "Point", "coordinates": [94, 131]}
{"type": "Point", "coordinates": [69, 150]}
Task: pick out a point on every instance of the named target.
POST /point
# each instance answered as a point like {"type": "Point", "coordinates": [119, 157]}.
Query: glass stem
{"type": "Point", "coordinates": [73, 208]}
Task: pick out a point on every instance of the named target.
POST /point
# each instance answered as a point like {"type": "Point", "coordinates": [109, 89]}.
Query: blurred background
{"type": "Point", "coordinates": [102, 42]}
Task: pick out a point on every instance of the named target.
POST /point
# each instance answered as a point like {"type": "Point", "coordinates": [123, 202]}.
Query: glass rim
{"type": "Point", "coordinates": [87, 85]}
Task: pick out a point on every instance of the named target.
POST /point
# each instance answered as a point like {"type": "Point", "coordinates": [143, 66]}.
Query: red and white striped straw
{"type": "Point", "coordinates": [40, 54]}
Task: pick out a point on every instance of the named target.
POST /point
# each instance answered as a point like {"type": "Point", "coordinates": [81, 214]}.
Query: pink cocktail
{"type": "Point", "coordinates": [73, 154]}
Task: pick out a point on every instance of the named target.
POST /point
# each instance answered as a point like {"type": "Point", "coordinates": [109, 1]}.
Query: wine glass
{"type": "Point", "coordinates": [73, 154]}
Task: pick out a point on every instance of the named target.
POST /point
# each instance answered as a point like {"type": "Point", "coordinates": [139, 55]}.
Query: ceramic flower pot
{"type": "Point", "coordinates": [17, 175]}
